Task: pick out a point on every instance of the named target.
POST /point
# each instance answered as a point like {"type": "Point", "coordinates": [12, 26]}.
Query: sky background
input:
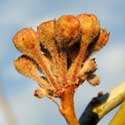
{"type": "Point", "coordinates": [18, 90]}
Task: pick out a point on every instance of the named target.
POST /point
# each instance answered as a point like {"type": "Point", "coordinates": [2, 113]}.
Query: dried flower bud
{"type": "Point", "coordinates": [88, 66]}
{"type": "Point", "coordinates": [101, 41]}
{"type": "Point", "coordinates": [25, 66]}
{"type": "Point", "coordinates": [47, 38]}
{"type": "Point", "coordinates": [47, 35]}
{"type": "Point", "coordinates": [67, 30]}
{"type": "Point", "coordinates": [90, 27]}
{"type": "Point", "coordinates": [93, 79]}
{"type": "Point", "coordinates": [26, 41]}
{"type": "Point", "coordinates": [40, 93]}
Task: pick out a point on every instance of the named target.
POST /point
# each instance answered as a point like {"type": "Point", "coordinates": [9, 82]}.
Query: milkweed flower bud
{"type": "Point", "coordinates": [90, 27]}
{"type": "Point", "coordinates": [61, 49]}
{"type": "Point", "coordinates": [26, 41]}
{"type": "Point", "coordinates": [40, 93]}
{"type": "Point", "coordinates": [67, 30]}
{"type": "Point", "coordinates": [93, 79]}
{"type": "Point", "coordinates": [88, 66]}
{"type": "Point", "coordinates": [101, 41]}
{"type": "Point", "coordinates": [47, 35]}
{"type": "Point", "coordinates": [25, 66]}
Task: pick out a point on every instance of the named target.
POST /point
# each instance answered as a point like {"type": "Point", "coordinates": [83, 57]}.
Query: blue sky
{"type": "Point", "coordinates": [16, 15]}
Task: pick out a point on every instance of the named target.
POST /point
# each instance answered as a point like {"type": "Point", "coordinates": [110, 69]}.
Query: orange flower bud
{"type": "Point", "coordinates": [40, 93]}
{"type": "Point", "coordinates": [26, 41]}
{"type": "Point", "coordinates": [67, 30]}
{"type": "Point", "coordinates": [88, 66]}
{"type": "Point", "coordinates": [47, 38]}
{"type": "Point", "coordinates": [90, 27]}
{"type": "Point", "coordinates": [101, 41]}
{"type": "Point", "coordinates": [93, 79]}
{"type": "Point", "coordinates": [47, 34]}
{"type": "Point", "coordinates": [25, 66]}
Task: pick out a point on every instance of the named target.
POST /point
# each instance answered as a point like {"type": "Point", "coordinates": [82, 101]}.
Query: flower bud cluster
{"type": "Point", "coordinates": [60, 50]}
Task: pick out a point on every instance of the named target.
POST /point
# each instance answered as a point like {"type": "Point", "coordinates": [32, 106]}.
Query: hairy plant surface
{"type": "Point", "coordinates": [61, 50]}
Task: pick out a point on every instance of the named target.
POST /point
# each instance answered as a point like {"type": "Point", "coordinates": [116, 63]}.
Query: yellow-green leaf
{"type": "Point", "coordinates": [119, 118]}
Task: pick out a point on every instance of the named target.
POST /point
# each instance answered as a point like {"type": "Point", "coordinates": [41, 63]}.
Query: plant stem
{"type": "Point", "coordinates": [116, 97]}
{"type": "Point", "coordinates": [67, 106]}
{"type": "Point", "coordinates": [40, 60]}
{"type": "Point", "coordinates": [99, 106]}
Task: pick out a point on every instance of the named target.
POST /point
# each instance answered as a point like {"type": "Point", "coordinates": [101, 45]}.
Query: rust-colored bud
{"type": "Point", "coordinates": [67, 30]}
{"type": "Point", "coordinates": [93, 79]}
{"type": "Point", "coordinates": [26, 41]}
{"type": "Point", "coordinates": [47, 35]}
{"type": "Point", "coordinates": [90, 27]}
{"type": "Point", "coordinates": [40, 93]}
{"type": "Point", "coordinates": [88, 66]}
{"type": "Point", "coordinates": [25, 66]}
{"type": "Point", "coordinates": [101, 41]}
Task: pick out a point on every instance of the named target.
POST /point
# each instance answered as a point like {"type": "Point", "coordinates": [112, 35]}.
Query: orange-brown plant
{"type": "Point", "coordinates": [61, 50]}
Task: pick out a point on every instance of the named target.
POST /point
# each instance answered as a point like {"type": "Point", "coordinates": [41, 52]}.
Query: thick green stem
{"type": "Point", "coordinates": [67, 106]}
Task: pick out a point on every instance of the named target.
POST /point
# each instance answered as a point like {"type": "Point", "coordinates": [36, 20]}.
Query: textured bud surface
{"type": "Point", "coordinates": [61, 48]}
{"type": "Point", "coordinates": [26, 41]}
{"type": "Point", "coordinates": [67, 30]}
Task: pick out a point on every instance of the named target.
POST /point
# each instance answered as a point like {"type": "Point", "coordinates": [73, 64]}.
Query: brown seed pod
{"type": "Point", "coordinates": [67, 30]}
{"type": "Point", "coordinates": [90, 27]}
{"type": "Point", "coordinates": [26, 41]}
